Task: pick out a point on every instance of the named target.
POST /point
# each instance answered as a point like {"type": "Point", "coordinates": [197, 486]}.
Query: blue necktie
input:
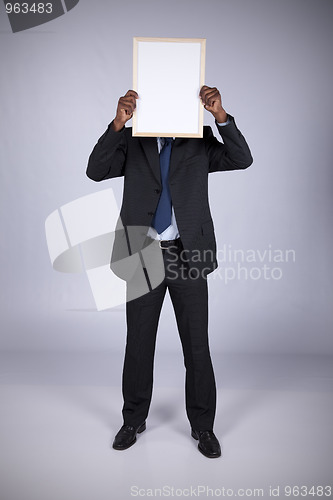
{"type": "Point", "coordinates": [162, 217]}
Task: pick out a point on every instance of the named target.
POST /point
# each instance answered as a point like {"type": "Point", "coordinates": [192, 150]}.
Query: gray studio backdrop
{"type": "Point", "coordinates": [60, 83]}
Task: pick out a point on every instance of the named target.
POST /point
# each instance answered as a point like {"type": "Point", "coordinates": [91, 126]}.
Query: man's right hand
{"type": "Point", "coordinates": [125, 109]}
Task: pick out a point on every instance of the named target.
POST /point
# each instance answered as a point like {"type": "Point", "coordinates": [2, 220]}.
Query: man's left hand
{"type": "Point", "coordinates": [212, 101]}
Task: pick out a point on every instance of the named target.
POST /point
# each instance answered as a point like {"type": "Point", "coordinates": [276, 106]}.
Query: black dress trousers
{"type": "Point", "coordinates": [189, 296]}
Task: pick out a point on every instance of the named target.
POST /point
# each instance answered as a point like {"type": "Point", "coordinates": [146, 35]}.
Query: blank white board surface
{"type": "Point", "coordinates": [168, 74]}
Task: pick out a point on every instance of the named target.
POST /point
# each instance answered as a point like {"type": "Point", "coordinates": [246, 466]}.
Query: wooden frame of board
{"type": "Point", "coordinates": [168, 74]}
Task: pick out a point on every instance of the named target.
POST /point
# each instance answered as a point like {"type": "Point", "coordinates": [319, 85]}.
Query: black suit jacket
{"type": "Point", "coordinates": [136, 158]}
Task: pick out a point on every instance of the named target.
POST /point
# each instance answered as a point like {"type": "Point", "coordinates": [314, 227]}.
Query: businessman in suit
{"type": "Point", "coordinates": [166, 192]}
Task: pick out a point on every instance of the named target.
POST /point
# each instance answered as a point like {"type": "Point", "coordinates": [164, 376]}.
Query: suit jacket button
{"type": "Point", "coordinates": [157, 191]}
{"type": "Point", "coordinates": [150, 213]}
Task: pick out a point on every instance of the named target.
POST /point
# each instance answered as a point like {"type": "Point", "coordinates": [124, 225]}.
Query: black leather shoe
{"type": "Point", "coordinates": [208, 443]}
{"type": "Point", "coordinates": [126, 436]}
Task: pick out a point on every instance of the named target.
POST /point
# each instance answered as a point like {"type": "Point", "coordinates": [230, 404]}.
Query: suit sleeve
{"type": "Point", "coordinates": [108, 157]}
{"type": "Point", "coordinates": [233, 154]}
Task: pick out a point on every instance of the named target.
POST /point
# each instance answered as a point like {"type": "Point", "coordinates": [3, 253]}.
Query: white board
{"type": "Point", "coordinates": [168, 74]}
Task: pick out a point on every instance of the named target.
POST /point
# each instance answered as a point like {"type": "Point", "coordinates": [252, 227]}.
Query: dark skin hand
{"type": "Point", "coordinates": [210, 98]}
{"type": "Point", "coordinates": [212, 101]}
{"type": "Point", "coordinates": [125, 109]}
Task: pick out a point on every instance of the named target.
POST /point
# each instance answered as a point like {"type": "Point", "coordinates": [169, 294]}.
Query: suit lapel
{"type": "Point", "coordinates": [149, 145]}
{"type": "Point", "coordinates": [178, 151]}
